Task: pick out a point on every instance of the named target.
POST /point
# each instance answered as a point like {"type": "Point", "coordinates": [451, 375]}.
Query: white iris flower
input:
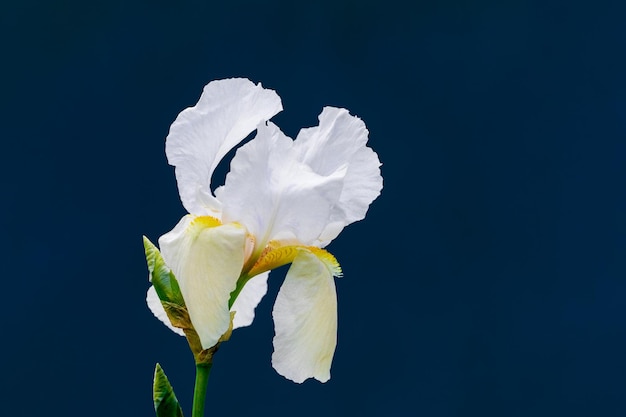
{"type": "Point", "coordinates": [282, 202]}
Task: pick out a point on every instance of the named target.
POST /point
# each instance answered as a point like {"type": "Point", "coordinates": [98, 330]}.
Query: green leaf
{"type": "Point", "coordinates": [165, 402]}
{"type": "Point", "coordinates": [162, 277]}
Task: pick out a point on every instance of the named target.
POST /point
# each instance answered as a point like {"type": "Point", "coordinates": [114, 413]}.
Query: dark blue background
{"type": "Point", "coordinates": [489, 279]}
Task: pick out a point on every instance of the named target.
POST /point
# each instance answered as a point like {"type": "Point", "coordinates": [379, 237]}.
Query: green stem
{"type": "Point", "coordinates": [199, 393]}
{"type": "Point", "coordinates": [240, 283]}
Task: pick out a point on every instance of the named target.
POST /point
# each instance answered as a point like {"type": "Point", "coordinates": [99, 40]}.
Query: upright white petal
{"type": "Point", "coordinates": [275, 195]}
{"type": "Point", "coordinates": [248, 299]}
{"type": "Point", "coordinates": [228, 110]}
{"type": "Point", "coordinates": [155, 306]}
{"type": "Point", "coordinates": [207, 262]}
{"type": "Point", "coordinates": [305, 319]}
{"type": "Point", "coordinates": [339, 142]}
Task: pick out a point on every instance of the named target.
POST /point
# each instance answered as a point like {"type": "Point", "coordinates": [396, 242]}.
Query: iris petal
{"type": "Point", "coordinates": [207, 262]}
{"type": "Point", "coordinates": [273, 194]}
{"type": "Point", "coordinates": [227, 111]}
{"type": "Point", "coordinates": [339, 142]}
{"type": "Point", "coordinates": [305, 320]}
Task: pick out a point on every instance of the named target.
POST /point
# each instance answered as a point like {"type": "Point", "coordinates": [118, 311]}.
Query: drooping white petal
{"type": "Point", "coordinates": [228, 110]}
{"type": "Point", "coordinates": [305, 320]}
{"type": "Point", "coordinates": [248, 299]}
{"type": "Point", "coordinates": [275, 195]}
{"type": "Point", "coordinates": [206, 260]}
{"type": "Point", "coordinates": [339, 142]}
{"type": "Point", "coordinates": [155, 306]}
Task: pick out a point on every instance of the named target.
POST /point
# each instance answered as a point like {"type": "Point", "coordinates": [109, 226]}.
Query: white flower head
{"type": "Point", "coordinates": [282, 202]}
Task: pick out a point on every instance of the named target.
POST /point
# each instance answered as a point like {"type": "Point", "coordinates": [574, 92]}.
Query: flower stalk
{"type": "Point", "coordinates": [200, 389]}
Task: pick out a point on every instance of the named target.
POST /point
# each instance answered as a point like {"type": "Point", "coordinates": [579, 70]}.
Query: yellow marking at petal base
{"type": "Point", "coordinates": [329, 259]}
{"type": "Point", "coordinates": [275, 256]}
{"type": "Point", "coordinates": [205, 221]}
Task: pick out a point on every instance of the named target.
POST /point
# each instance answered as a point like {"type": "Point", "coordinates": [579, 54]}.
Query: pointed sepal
{"type": "Point", "coordinates": [166, 287]}
{"type": "Point", "coordinates": [161, 276]}
{"type": "Point", "coordinates": [165, 402]}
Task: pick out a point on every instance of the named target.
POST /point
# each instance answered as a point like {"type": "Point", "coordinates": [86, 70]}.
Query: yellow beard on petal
{"type": "Point", "coordinates": [331, 262]}
{"type": "Point", "coordinates": [205, 221]}
{"type": "Point", "coordinates": [275, 255]}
